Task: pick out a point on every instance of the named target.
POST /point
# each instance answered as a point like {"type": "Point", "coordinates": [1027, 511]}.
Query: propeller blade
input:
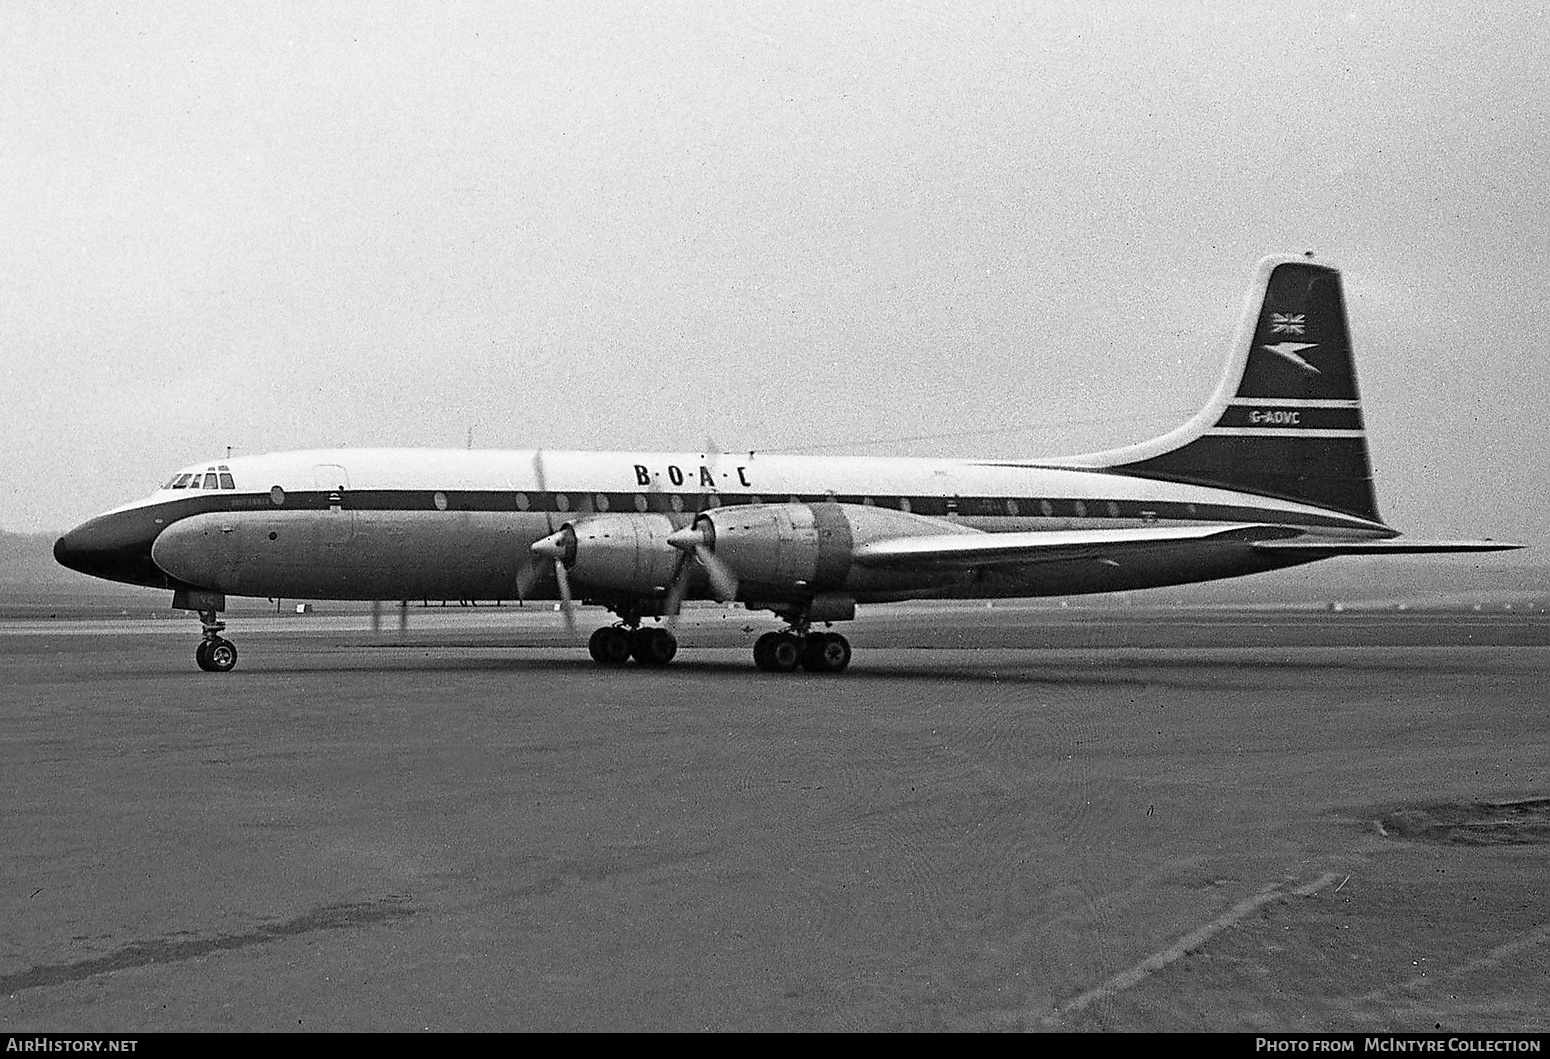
{"type": "Point", "coordinates": [676, 590]}
{"type": "Point", "coordinates": [555, 548]}
{"type": "Point", "coordinates": [697, 539]}
{"type": "Point", "coordinates": [722, 580]}
{"type": "Point", "coordinates": [538, 470]}
{"type": "Point", "coordinates": [528, 577]}
{"type": "Point", "coordinates": [567, 605]}
{"type": "Point", "coordinates": [537, 565]}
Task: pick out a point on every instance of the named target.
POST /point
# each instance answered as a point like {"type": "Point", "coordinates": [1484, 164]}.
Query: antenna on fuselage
{"type": "Point", "coordinates": [470, 443]}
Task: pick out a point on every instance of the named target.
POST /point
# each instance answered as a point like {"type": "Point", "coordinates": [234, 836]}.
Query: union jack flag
{"type": "Point", "coordinates": [1286, 323]}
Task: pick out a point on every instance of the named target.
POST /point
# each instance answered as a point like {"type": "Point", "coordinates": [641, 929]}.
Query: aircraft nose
{"type": "Point", "coordinates": [115, 546]}
{"type": "Point", "coordinates": [67, 550]}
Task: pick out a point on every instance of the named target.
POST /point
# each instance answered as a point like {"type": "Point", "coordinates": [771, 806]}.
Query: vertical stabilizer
{"type": "Point", "coordinates": [1286, 420]}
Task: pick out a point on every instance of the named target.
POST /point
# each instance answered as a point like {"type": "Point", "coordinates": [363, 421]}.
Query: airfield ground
{"type": "Point", "coordinates": [1170, 820]}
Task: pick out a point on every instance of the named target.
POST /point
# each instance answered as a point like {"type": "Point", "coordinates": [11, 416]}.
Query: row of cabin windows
{"type": "Point", "coordinates": [581, 503]}
{"type": "Point", "coordinates": [220, 478]}
{"type": "Point", "coordinates": [215, 478]}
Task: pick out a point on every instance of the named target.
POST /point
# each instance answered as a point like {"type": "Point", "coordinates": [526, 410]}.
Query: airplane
{"type": "Point", "coordinates": [1273, 472]}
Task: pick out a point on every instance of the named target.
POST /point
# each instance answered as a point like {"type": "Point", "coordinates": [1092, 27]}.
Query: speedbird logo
{"type": "Point", "coordinates": [1289, 351]}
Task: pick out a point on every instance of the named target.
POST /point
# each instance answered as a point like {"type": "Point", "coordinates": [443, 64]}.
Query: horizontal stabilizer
{"type": "Point", "coordinates": [983, 549]}
{"type": "Point", "coordinates": [1316, 549]}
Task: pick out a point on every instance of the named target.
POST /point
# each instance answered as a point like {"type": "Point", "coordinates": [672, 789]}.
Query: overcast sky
{"type": "Point", "coordinates": [999, 229]}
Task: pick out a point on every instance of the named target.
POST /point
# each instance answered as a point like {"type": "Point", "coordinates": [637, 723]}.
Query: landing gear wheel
{"type": "Point", "coordinates": [610, 646]}
{"type": "Point", "coordinates": [761, 651]}
{"type": "Point", "coordinates": [653, 647]}
{"type": "Point", "coordinates": [826, 652]}
{"type": "Point", "coordinates": [777, 652]}
{"type": "Point", "coordinates": [216, 656]}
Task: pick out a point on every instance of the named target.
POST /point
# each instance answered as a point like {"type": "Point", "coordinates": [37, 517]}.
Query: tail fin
{"type": "Point", "coordinates": [1286, 421]}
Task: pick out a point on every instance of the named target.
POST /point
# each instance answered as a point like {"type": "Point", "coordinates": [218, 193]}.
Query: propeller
{"type": "Point", "coordinates": [698, 542]}
{"type": "Point", "coordinates": [556, 548]}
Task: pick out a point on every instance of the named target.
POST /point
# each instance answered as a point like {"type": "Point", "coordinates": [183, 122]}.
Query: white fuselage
{"type": "Point", "coordinates": [456, 524]}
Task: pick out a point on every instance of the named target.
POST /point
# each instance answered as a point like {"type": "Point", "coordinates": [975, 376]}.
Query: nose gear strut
{"type": "Point", "coordinates": [215, 653]}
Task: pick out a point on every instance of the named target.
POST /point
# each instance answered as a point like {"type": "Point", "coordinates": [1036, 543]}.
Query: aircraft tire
{"type": "Point", "coordinates": [610, 646]}
{"type": "Point", "coordinates": [761, 651]}
{"type": "Point", "coordinates": [784, 653]}
{"type": "Point", "coordinates": [826, 652]}
{"type": "Point", "coordinates": [202, 655]}
{"type": "Point", "coordinates": [653, 647]}
{"type": "Point", "coordinates": [221, 656]}
{"type": "Point", "coordinates": [595, 644]}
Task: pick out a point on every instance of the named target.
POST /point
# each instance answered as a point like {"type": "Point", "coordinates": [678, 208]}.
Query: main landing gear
{"type": "Point", "coordinates": [614, 645]}
{"type": "Point", "coordinates": [798, 647]}
{"type": "Point", "coordinates": [816, 652]}
{"type": "Point", "coordinates": [215, 653]}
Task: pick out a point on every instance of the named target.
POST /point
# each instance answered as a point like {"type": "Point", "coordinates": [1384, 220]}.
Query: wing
{"type": "Point", "coordinates": [989, 549]}
{"type": "Point", "coordinates": [1323, 549]}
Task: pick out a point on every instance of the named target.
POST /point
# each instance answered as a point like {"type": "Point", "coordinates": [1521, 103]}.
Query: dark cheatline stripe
{"type": "Point", "coordinates": [569, 505]}
{"type": "Point", "coordinates": [1326, 472]}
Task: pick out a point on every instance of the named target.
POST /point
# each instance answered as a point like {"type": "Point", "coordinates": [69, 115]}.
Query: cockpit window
{"type": "Point", "coordinates": [213, 478]}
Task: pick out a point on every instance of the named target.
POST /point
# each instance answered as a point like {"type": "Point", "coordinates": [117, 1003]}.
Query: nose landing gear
{"type": "Point", "coordinates": [215, 653]}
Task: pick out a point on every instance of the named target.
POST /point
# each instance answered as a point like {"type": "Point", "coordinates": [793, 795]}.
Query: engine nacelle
{"type": "Point", "coordinates": [625, 552]}
{"type": "Point", "coordinates": [803, 550]}
{"type": "Point", "coordinates": [775, 552]}
{"type": "Point", "coordinates": [785, 547]}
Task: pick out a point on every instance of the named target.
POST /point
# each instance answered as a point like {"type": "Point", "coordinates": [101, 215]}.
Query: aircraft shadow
{"type": "Point", "coordinates": [1208, 672]}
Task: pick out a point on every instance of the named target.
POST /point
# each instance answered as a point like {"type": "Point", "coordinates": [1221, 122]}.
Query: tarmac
{"type": "Point", "coordinates": [998, 819]}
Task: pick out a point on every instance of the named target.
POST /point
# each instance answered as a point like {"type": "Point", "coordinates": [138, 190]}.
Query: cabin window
{"type": "Point", "coordinates": [676, 502]}
{"type": "Point", "coordinates": [1081, 509]}
{"type": "Point", "coordinates": [440, 500]}
{"type": "Point", "coordinates": [561, 502]}
{"type": "Point", "coordinates": [276, 496]}
{"type": "Point", "coordinates": [600, 502]}
{"type": "Point", "coordinates": [904, 503]}
{"type": "Point", "coordinates": [1046, 508]}
{"type": "Point", "coordinates": [524, 502]}
{"type": "Point", "coordinates": [1113, 509]}
{"type": "Point", "coordinates": [641, 504]}
{"type": "Point", "coordinates": [1011, 506]}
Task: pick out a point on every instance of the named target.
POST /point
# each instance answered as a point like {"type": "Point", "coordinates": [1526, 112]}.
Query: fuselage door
{"type": "Point", "coordinates": [337, 523]}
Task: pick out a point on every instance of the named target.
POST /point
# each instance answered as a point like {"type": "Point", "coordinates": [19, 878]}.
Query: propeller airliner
{"type": "Point", "coordinates": [1273, 472]}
